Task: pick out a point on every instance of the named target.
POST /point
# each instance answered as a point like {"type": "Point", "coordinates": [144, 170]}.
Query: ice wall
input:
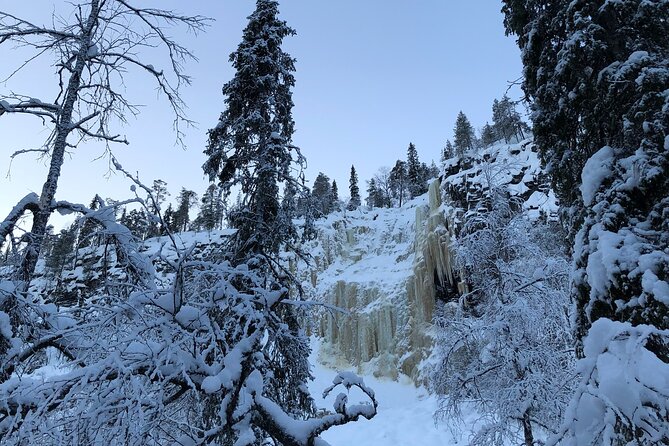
{"type": "Point", "coordinates": [380, 266]}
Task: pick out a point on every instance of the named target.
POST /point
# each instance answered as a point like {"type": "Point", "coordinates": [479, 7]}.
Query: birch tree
{"type": "Point", "coordinates": [96, 52]}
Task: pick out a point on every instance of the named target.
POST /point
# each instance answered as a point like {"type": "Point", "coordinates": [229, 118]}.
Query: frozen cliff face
{"type": "Point", "coordinates": [379, 266]}
{"type": "Point", "coordinates": [388, 268]}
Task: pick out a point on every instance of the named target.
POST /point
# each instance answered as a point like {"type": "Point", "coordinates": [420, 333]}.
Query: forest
{"type": "Point", "coordinates": [521, 280]}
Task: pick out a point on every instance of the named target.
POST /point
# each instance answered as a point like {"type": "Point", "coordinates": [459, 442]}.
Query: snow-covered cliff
{"type": "Point", "coordinates": [387, 267]}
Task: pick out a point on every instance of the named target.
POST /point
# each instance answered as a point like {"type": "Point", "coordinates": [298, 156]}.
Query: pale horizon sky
{"type": "Point", "coordinates": [371, 76]}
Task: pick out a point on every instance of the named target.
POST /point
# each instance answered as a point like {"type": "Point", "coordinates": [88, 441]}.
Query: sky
{"type": "Point", "coordinates": [371, 77]}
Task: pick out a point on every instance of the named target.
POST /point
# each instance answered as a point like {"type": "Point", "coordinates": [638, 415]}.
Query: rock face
{"type": "Point", "coordinates": [380, 266]}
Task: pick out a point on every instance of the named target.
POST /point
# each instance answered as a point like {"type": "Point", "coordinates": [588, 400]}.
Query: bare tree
{"type": "Point", "coordinates": [95, 50]}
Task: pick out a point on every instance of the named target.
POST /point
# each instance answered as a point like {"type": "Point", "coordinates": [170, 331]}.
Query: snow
{"type": "Point", "coordinates": [5, 326]}
{"type": "Point", "coordinates": [405, 413]}
{"type": "Point", "coordinates": [211, 384]}
{"type": "Point", "coordinates": [596, 170]}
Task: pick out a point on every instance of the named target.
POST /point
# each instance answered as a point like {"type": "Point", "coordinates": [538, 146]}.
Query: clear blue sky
{"type": "Point", "coordinates": [372, 76]}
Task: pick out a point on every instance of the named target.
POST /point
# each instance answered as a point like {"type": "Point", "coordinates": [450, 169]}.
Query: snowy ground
{"type": "Point", "coordinates": [405, 414]}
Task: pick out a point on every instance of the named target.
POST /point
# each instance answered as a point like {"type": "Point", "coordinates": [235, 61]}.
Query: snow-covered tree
{"type": "Point", "coordinates": [488, 135]}
{"type": "Point", "coordinates": [336, 204]}
{"type": "Point", "coordinates": [597, 73]}
{"type": "Point", "coordinates": [212, 209]}
{"type": "Point", "coordinates": [321, 194]}
{"type": "Point", "coordinates": [505, 346]}
{"type": "Point", "coordinates": [463, 134]}
{"type": "Point", "coordinates": [448, 151]}
{"type": "Point", "coordinates": [354, 190]}
{"type": "Point", "coordinates": [251, 149]}
{"type": "Point", "coordinates": [185, 201]}
{"type": "Point", "coordinates": [399, 182]}
{"type": "Point", "coordinates": [416, 181]}
{"type": "Point", "coordinates": [507, 122]}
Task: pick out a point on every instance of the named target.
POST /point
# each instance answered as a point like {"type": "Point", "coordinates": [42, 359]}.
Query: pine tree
{"type": "Point", "coordinates": [321, 195]}
{"type": "Point", "coordinates": [211, 208]}
{"type": "Point", "coordinates": [488, 135]}
{"type": "Point", "coordinates": [507, 122]}
{"type": "Point", "coordinates": [398, 181]}
{"type": "Point", "coordinates": [354, 190]}
{"type": "Point", "coordinates": [597, 73]}
{"type": "Point", "coordinates": [335, 196]}
{"type": "Point", "coordinates": [159, 194]}
{"type": "Point", "coordinates": [185, 201]}
{"type": "Point", "coordinates": [463, 134]}
{"type": "Point", "coordinates": [448, 152]}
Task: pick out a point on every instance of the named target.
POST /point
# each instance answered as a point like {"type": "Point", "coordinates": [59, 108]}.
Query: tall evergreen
{"type": "Point", "coordinates": [354, 190]}
{"type": "Point", "coordinates": [321, 195]}
{"type": "Point", "coordinates": [415, 184]}
{"type": "Point", "coordinates": [251, 150]}
{"type": "Point", "coordinates": [398, 181]}
{"type": "Point", "coordinates": [597, 72]}
{"type": "Point", "coordinates": [507, 122]}
{"type": "Point", "coordinates": [211, 209]}
{"type": "Point", "coordinates": [463, 134]}
{"type": "Point", "coordinates": [488, 135]}
{"type": "Point", "coordinates": [448, 151]}
{"type": "Point", "coordinates": [335, 195]}
{"type": "Point", "coordinates": [185, 201]}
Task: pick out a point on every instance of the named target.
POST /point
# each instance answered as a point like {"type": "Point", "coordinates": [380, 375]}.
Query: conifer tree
{"type": "Point", "coordinates": [354, 190]}
{"type": "Point", "coordinates": [597, 73]}
{"type": "Point", "coordinates": [251, 149]}
{"type": "Point", "coordinates": [211, 209]}
{"type": "Point", "coordinates": [335, 196]}
{"type": "Point", "coordinates": [321, 195]}
{"type": "Point", "coordinates": [415, 180]}
{"type": "Point", "coordinates": [488, 135]}
{"type": "Point", "coordinates": [448, 151]}
{"type": "Point", "coordinates": [185, 201]}
{"type": "Point", "coordinates": [398, 181]}
{"type": "Point", "coordinates": [372, 194]}
{"type": "Point", "coordinates": [507, 122]}
{"type": "Point", "coordinates": [463, 134]}
{"type": "Point", "coordinates": [89, 227]}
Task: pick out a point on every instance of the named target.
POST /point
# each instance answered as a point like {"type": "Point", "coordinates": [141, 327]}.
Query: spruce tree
{"type": "Point", "coordinates": [335, 196]}
{"type": "Point", "coordinates": [185, 201]}
{"type": "Point", "coordinates": [597, 73]}
{"type": "Point", "coordinates": [488, 135]}
{"type": "Point", "coordinates": [354, 190]}
{"type": "Point", "coordinates": [398, 181]}
{"type": "Point", "coordinates": [448, 152]}
{"type": "Point", "coordinates": [463, 134]}
{"type": "Point", "coordinates": [321, 195]}
{"type": "Point", "coordinates": [415, 184]}
{"type": "Point", "coordinates": [251, 149]}
{"type": "Point", "coordinates": [373, 194]}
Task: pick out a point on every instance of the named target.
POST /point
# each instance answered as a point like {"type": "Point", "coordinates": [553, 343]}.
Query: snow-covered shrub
{"type": "Point", "coordinates": [505, 346]}
{"type": "Point", "coordinates": [623, 394]}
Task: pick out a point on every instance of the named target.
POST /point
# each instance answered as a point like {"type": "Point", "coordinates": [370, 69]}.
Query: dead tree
{"type": "Point", "coordinates": [95, 52]}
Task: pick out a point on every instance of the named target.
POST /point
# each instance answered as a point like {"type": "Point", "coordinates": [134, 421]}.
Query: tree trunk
{"type": "Point", "coordinates": [63, 129]}
{"type": "Point", "coordinates": [527, 429]}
